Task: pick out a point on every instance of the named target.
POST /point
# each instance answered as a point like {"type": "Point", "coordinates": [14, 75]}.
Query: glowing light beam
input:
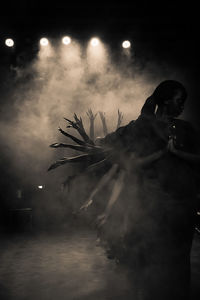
{"type": "Point", "coordinates": [97, 56]}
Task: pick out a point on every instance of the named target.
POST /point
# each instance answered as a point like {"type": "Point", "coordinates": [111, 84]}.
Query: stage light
{"type": "Point", "coordinates": [66, 40]}
{"type": "Point", "coordinates": [97, 56]}
{"type": "Point", "coordinates": [44, 41]}
{"type": "Point", "coordinates": [40, 187]}
{"type": "Point", "coordinates": [126, 44]}
{"type": "Point", "coordinates": [9, 42]}
{"type": "Point", "coordinates": [94, 42]}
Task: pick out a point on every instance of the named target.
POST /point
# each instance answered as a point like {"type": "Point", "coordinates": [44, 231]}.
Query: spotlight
{"type": "Point", "coordinates": [126, 44]}
{"type": "Point", "coordinates": [40, 187]}
{"type": "Point", "coordinates": [44, 42]}
{"type": "Point", "coordinates": [66, 40]}
{"type": "Point", "coordinates": [94, 42]}
{"type": "Point", "coordinates": [9, 42]}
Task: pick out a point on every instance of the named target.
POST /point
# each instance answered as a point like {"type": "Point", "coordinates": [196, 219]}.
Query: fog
{"type": "Point", "coordinates": [62, 80]}
{"type": "Point", "coordinates": [59, 81]}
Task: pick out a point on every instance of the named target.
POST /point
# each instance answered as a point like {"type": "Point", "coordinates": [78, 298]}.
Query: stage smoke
{"type": "Point", "coordinates": [58, 83]}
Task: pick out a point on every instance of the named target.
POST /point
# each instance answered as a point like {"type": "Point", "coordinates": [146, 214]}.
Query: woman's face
{"type": "Point", "coordinates": [175, 105]}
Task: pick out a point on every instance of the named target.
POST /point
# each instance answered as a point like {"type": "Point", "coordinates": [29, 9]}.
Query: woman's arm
{"type": "Point", "coordinates": [119, 120]}
{"type": "Point", "coordinates": [103, 120]}
{"type": "Point", "coordinates": [91, 117]}
{"type": "Point", "coordinates": [140, 162]}
{"type": "Point", "coordinates": [117, 188]}
{"type": "Point", "coordinates": [104, 180]}
{"type": "Point", "coordinates": [78, 125]}
{"type": "Point", "coordinates": [144, 161]}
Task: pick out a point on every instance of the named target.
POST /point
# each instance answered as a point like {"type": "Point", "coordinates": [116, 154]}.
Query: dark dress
{"type": "Point", "coordinates": [152, 223]}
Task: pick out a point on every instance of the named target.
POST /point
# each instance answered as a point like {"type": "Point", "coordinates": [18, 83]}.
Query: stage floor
{"type": "Point", "coordinates": [67, 266]}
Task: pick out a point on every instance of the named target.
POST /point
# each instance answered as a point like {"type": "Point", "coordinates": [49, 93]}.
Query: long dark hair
{"type": "Point", "coordinates": [164, 91]}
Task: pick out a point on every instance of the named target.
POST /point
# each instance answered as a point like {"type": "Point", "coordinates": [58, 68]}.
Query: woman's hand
{"type": "Point", "coordinates": [101, 220]}
{"type": "Point", "coordinates": [102, 116]}
{"type": "Point", "coordinates": [120, 117]}
{"type": "Point", "coordinates": [90, 115]}
{"type": "Point", "coordinates": [86, 204]}
{"type": "Point", "coordinates": [190, 157]}
{"type": "Point", "coordinates": [79, 122]}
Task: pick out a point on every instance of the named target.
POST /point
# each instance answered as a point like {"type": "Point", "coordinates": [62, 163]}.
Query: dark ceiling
{"type": "Point", "coordinates": [28, 17]}
{"type": "Point", "coordinates": [168, 30]}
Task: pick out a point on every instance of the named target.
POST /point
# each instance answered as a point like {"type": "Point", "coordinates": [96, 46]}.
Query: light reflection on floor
{"type": "Point", "coordinates": [59, 267]}
{"type": "Point", "coordinates": [66, 266]}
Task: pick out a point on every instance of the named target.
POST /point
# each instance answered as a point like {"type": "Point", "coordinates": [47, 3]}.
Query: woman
{"type": "Point", "coordinates": [151, 223]}
{"type": "Point", "coordinates": [149, 219]}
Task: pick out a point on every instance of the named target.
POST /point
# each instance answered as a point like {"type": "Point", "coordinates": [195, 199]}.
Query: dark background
{"type": "Point", "coordinates": [160, 31]}
{"type": "Point", "coordinates": [167, 30]}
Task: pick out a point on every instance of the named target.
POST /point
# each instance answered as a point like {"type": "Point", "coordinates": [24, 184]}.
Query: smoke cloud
{"type": "Point", "coordinates": [61, 81]}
